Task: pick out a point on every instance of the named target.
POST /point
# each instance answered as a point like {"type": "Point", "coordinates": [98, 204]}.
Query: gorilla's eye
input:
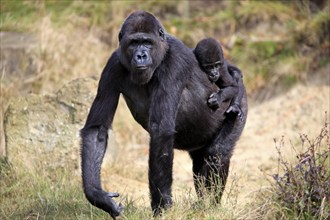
{"type": "Point", "coordinates": [132, 44]}
{"type": "Point", "coordinates": [147, 43]}
{"type": "Point", "coordinates": [218, 64]}
{"type": "Point", "coordinates": [208, 67]}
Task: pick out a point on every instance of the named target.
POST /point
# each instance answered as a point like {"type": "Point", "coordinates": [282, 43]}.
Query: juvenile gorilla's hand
{"type": "Point", "coordinates": [236, 110]}
{"type": "Point", "coordinates": [213, 102]}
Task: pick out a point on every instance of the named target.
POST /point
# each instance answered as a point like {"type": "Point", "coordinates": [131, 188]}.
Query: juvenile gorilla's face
{"type": "Point", "coordinates": [212, 70]}
{"type": "Point", "coordinates": [142, 46]}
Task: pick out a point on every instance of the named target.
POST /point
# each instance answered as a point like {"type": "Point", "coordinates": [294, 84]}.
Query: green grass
{"type": "Point", "coordinates": [20, 15]}
{"type": "Point", "coordinates": [58, 194]}
{"type": "Point", "coordinates": [25, 194]}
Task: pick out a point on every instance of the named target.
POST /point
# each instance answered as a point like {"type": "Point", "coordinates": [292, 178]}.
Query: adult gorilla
{"type": "Point", "coordinates": [166, 92]}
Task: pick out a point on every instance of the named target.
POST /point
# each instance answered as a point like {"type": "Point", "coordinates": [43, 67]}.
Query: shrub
{"type": "Point", "coordinates": [302, 189]}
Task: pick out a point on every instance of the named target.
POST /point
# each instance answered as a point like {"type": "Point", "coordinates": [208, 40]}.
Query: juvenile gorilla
{"type": "Point", "coordinates": [165, 90]}
{"type": "Point", "coordinates": [227, 76]}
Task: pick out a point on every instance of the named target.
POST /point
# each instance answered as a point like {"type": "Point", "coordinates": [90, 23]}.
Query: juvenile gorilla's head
{"type": "Point", "coordinates": [210, 57]}
{"type": "Point", "coordinates": [143, 45]}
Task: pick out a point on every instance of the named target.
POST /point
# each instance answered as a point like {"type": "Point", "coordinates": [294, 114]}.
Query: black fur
{"type": "Point", "coordinates": [165, 91]}
{"type": "Point", "coordinates": [227, 76]}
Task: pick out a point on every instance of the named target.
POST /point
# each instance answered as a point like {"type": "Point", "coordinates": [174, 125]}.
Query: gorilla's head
{"type": "Point", "coordinates": [143, 45]}
{"type": "Point", "coordinates": [210, 57]}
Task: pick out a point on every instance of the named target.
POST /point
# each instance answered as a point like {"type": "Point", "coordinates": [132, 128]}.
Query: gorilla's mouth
{"type": "Point", "coordinates": [141, 67]}
{"type": "Point", "coordinates": [213, 78]}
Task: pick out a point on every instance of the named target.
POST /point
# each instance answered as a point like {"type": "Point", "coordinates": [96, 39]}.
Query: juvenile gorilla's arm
{"type": "Point", "coordinates": [94, 139]}
{"type": "Point", "coordinates": [237, 75]}
{"type": "Point", "coordinates": [228, 89]}
{"type": "Point", "coordinates": [235, 105]}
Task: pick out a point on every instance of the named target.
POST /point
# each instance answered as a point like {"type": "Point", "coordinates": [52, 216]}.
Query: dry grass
{"type": "Point", "coordinates": [300, 187]}
{"type": "Point", "coordinates": [67, 53]}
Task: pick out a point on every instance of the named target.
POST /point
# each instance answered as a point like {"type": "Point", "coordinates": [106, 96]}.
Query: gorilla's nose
{"type": "Point", "coordinates": [141, 57]}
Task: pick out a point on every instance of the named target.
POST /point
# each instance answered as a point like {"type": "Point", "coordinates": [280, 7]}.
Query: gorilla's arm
{"type": "Point", "coordinates": [95, 135]}
{"type": "Point", "coordinates": [162, 122]}
{"type": "Point", "coordinates": [228, 88]}
{"type": "Point", "coordinates": [235, 105]}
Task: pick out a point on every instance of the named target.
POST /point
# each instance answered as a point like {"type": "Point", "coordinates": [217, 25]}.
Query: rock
{"type": "Point", "coordinates": [42, 131]}
{"type": "Point", "coordinates": [18, 64]}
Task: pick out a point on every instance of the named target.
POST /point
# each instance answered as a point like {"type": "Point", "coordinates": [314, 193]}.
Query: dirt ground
{"type": "Point", "coordinates": [299, 111]}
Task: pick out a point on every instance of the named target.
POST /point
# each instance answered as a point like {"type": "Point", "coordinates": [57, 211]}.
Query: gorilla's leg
{"type": "Point", "coordinates": [199, 171]}
{"type": "Point", "coordinates": [211, 164]}
{"type": "Point", "coordinates": [217, 166]}
{"type": "Point", "coordinates": [210, 169]}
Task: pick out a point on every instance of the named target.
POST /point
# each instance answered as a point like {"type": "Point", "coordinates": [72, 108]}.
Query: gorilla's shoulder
{"type": "Point", "coordinates": [178, 46]}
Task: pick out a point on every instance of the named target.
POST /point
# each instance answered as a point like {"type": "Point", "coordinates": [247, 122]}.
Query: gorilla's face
{"type": "Point", "coordinates": [142, 46]}
{"type": "Point", "coordinates": [210, 57]}
{"type": "Point", "coordinates": [213, 70]}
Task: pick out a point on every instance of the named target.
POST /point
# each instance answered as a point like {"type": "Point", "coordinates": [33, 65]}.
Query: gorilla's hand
{"type": "Point", "coordinates": [105, 201]}
{"type": "Point", "coordinates": [115, 210]}
{"type": "Point", "coordinates": [236, 110]}
{"type": "Point", "coordinates": [213, 102]}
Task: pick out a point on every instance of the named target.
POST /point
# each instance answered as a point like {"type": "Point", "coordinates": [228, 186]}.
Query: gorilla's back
{"type": "Point", "coordinates": [196, 122]}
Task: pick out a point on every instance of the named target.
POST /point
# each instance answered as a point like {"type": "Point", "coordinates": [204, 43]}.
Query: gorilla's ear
{"type": "Point", "coordinates": [162, 34]}
{"type": "Point", "coordinates": [120, 36]}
